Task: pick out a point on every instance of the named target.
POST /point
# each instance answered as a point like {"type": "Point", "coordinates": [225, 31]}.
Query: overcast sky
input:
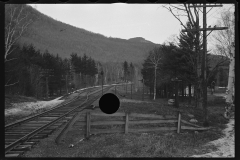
{"type": "Point", "coordinates": [150, 21]}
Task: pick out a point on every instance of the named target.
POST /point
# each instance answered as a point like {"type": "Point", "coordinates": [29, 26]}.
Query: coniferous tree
{"type": "Point", "coordinates": [189, 47]}
{"type": "Point", "coordinates": [126, 70]}
{"type": "Point", "coordinates": [131, 71]}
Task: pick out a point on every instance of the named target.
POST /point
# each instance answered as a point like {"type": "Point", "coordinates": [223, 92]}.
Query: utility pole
{"type": "Point", "coordinates": [131, 90]}
{"type": "Point", "coordinates": [102, 80]}
{"type": "Point", "coordinates": [126, 88]}
{"type": "Point", "coordinates": [176, 80]}
{"type": "Point", "coordinates": [203, 67]}
{"type": "Point", "coordinates": [67, 83]}
{"type": "Point", "coordinates": [143, 90]}
{"type": "Point", "coordinates": [142, 80]}
{"type": "Point", "coordinates": [47, 86]}
{"type": "Point", "coordinates": [131, 82]}
{"type": "Point", "coordinates": [203, 72]}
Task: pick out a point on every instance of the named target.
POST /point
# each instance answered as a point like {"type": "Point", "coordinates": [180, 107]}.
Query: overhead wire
{"type": "Point", "coordinates": [214, 13]}
{"type": "Point", "coordinates": [213, 16]}
{"type": "Point", "coordinates": [209, 10]}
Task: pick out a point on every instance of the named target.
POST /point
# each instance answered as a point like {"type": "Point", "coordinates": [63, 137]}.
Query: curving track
{"type": "Point", "coordinates": [22, 135]}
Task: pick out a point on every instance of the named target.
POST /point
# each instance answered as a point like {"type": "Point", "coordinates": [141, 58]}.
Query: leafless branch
{"type": "Point", "coordinates": [190, 16]}
{"type": "Point", "coordinates": [221, 63]}
{"type": "Point", "coordinates": [15, 28]}
{"type": "Point", "coordinates": [7, 60]}
{"type": "Point", "coordinates": [177, 7]}
{"type": "Point", "coordinates": [7, 85]}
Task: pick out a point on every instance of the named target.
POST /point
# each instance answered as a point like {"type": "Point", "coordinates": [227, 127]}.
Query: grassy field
{"type": "Point", "coordinates": [151, 144]}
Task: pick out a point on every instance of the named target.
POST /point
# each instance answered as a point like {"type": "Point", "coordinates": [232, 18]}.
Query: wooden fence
{"type": "Point", "coordinates": [155, 119]}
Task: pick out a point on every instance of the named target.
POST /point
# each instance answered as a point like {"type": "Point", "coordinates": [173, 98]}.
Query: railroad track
{"type": "Point", "coordinates": [22, 135]}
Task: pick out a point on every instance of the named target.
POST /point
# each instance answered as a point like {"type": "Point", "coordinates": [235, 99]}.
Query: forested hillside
{"type": "Point", "coordinates": [50, 56]}
{"type": "Point", "coordinates": [63, 39]}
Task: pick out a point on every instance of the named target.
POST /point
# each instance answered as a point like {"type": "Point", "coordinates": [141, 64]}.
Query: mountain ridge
{"type": "Point", "coordinates": [63, 39]}
{"type": "Point", "coordinates": [139, 39]}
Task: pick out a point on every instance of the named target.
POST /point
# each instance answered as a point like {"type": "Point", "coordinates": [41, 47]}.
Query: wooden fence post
{"type": "Point", "coordinates": [88, 124]}
{"type": "Point", "coordinates": [179, 123]}
{"type": "Point", "coordinates": [126, 124]}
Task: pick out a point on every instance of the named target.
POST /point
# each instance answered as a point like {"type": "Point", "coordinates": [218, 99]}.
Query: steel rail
{"type": "Point", "coordinates": [31, 134]}
{"type": "Point", "coordinates": [64, 130]}
{"type": "Point", "coordinates": [37, 115]}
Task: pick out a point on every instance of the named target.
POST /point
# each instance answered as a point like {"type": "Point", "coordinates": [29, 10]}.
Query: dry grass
{"type": "Point", "coordinates": [143, 145]}
{"type": "Point", "coordinates": [152, 144]}
{"type": "Point", "coordinates": [125, 145]}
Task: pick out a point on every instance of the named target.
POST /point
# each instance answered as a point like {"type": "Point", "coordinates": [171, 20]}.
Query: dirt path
{"type": "Point", "coordinates": [225, 145]}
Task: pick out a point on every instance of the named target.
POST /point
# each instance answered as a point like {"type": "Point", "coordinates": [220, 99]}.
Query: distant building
{"type": "Point", "coordinates": [221, 77]}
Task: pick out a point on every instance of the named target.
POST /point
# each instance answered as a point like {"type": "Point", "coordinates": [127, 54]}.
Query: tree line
{"type": "Point", "coordinates": [83, 70]}
{"type": "Point", "coordinates": [33, 73]}
{"type": "Point", "coordinates": [180, 60]}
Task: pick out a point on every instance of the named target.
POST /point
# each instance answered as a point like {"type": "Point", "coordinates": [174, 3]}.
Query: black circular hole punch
{"type": "Point", "coordinates": [109, 103]}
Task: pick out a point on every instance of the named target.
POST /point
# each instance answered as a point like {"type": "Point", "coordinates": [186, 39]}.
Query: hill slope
{"type": "Point", "coordinates": [63, 39]}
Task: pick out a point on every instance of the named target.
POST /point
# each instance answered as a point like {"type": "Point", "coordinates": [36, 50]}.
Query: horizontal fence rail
{"type": "Point", "coordinates": [125, 120]}
{"type": "Point", "coordinates": [156, 119]}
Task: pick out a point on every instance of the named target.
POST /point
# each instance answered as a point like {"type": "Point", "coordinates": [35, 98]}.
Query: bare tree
{"type": "Point", "coordinates": [230, 93]}
{"type": "Point", "coordinates": [172, 39]}
{"type": "Point", "coordinates": [155, 57]}
{"type": "Point", "coordinates": [224, 40]}
{"type": "Point", "coordinates": [16, 22]}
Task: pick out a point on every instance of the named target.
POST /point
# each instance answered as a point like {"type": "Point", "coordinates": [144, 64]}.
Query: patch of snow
{"type": "Point", "coordinates": [29, 107]}
{"type": "Point", "coordinates": [222, 87]}
{"type": "Point", "coordinates": [193, 120]}
{"type": "Point", "coordinates": [133, 101]}
{"type": "Point", "coordinates": [171, 101]}
{"type": "Point", "coordinates": [225, 145]}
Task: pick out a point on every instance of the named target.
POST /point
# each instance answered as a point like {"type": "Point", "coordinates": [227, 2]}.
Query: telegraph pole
{"type": "Point", "coordinates": [67, 83]}
{"type": "Point", "coordinates": [126, 88]}
{"type": "Point", "coordinates": [102, 80]}
{"type": "Point", "coordinates": [143, 90]}
{"type": "Point", "coordinates": [203, 72]}
{"type": "Point", "coordinates": [131, 90]}
{"type": "Point", "coordinates": [203, 67]}
{"type": "Point", "coordinates": [47, 86]}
